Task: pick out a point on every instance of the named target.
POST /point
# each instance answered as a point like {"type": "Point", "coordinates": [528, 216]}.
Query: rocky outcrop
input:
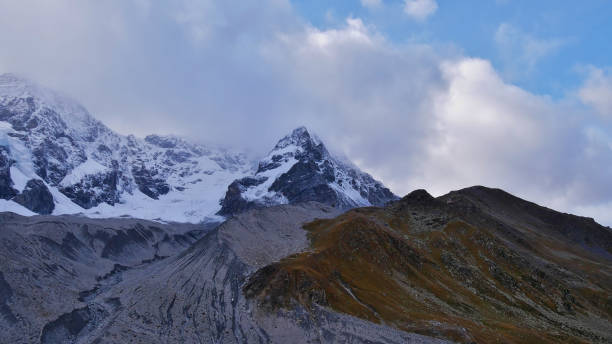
{"type": "Point", "coordinates": [6, 183]}
{"type": "Point", "coordinates": [6, 294]}
{"type": "Point", "coordinates": [233, 202]}
{"type": "Point", "coordinates": [93, 190]}
{"type": "Point", "coordinates": [149, 183]}
{"type": "Point", "coordinates": [36, 197]}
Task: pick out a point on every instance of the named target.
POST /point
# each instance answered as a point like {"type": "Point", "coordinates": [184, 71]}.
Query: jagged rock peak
{"type": "Point", "coordinates": [300, 145]}
{"type": "Point", "coordinates": [164, 141]}
{"type": "Point", "coordinates": [298, 136]}
{"type": "Point", "coordinates": [176, 143]}
{"type": "Point", "coordinates": [13, 86]}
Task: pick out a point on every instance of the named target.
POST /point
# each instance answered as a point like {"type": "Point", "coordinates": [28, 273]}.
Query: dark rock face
{"type": "Point", "coordinates": [54, 151]}
{"type": "Point", "coordinates": [36, 197]}
{"type": "Point", "coordinates": [69, 325]}
{"type": "Point", "coordinates": [418, 197]}
{"type": "Point", "coordinates": [233, 202]}
{"type": "Point", "coordinates": [120, 243]}
{"type": "Point", "coordinates": [6, 183]}
{"type": "Point", "coordinates": [6, 293]}
{"type": "Point", "coordinates": [148, 183]}
{"type": "Point", "coordinates": [53, 158]}
{"type": "Point", "coordinates": [161, 141]}
{"type": "Point", "coordinates": [306, 181]}
{"type": "Point", "coordinates": [95, 189]}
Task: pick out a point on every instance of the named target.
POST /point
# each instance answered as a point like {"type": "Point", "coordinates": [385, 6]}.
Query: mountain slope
{"type": "Point", "coordinates": [68, 290]}
{"type": "Point", "coordinates": [477, 265]}
{"type": "Point", "coordinates": [56, 265]}
{"type": "Point", "coordinates": [299, 168]}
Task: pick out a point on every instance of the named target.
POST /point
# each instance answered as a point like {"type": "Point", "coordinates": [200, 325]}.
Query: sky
{"type": "Point", "coordinates": [433, 94]}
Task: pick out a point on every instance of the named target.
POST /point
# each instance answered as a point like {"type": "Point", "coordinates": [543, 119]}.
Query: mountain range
{"type": "Point", "coordinates": [106, 238]}
{"type": "Point", "coordinates": [55, 158]}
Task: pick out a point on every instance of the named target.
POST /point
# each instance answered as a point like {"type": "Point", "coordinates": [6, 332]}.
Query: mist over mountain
{"type": "Point", "coordinates": [58, 159]}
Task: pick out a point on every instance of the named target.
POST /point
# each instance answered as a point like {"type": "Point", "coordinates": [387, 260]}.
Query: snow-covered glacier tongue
{"type": "Point", "coordinates": [298, 169]}
{"type": "Point", "coordinates": [55, 158]}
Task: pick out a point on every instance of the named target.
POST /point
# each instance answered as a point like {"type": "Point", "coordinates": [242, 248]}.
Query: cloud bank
{"type": "Point", "coordinates": [597, 91]}
{"type": "Point", "coordinates": [521, 52]}
{"type": "Point", "coordinates": [420, 9]}
{"type": "Point", "coordinates": [371, 3]}
{"type": "Point", "coordinates": [413, 115]}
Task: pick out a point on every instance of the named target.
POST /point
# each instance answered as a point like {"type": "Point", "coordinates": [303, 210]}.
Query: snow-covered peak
{"type": "Point", "coordinates": [299, 137]}
{"type": "Point", "coordinates": [50, 142]}
{"type": "Point", "coordinates": [14, 88]}
{"type": "Point", "coordinates": [169, 141]}
{"type": "Point", "coordinates": [55, 157]}
{"type": "Point", "coordinates": [299, 168]}
{"type": "Point", "coordinates": [300, 144]}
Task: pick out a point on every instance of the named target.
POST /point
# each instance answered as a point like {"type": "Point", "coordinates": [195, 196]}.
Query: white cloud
{"type": "Point", "coordinates": [442, 122]}
{"type": "Point", "coordinates": [420, 9]}
{"type": "Point", "coordinates": [597, 91]}
{"type": "Point", "coordinates": [409, 114]}
{"type": "Point", "coordinates": [371, 3]}
{"type": "Point", "coordinates": [521, 52]}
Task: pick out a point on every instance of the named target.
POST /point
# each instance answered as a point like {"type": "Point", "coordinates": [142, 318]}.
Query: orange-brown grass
{"type": "Point", "coordinates": [365, 263]}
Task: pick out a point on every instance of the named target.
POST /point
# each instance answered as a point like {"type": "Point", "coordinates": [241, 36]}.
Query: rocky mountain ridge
{"type": "Point", "coordinates": [55, 158]}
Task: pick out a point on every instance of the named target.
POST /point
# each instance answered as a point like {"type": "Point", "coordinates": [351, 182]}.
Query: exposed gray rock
{"type": "Point", "coordinates": [36, 197]}
{"type": "Point", "coordinates": [67, 327]}
{"type": "Point", "coordinates": [148, 183]}
{"type": "Point", "coordinates": [6, 294]}
{"type": "Point", "coordinates": [53, 267]}
{"type": "Point", "coordinates": [94, 189]}
{"type": "Point", "coordinates": [234, 203]}
{"type": "Point", "coordinates": [6, 183]}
